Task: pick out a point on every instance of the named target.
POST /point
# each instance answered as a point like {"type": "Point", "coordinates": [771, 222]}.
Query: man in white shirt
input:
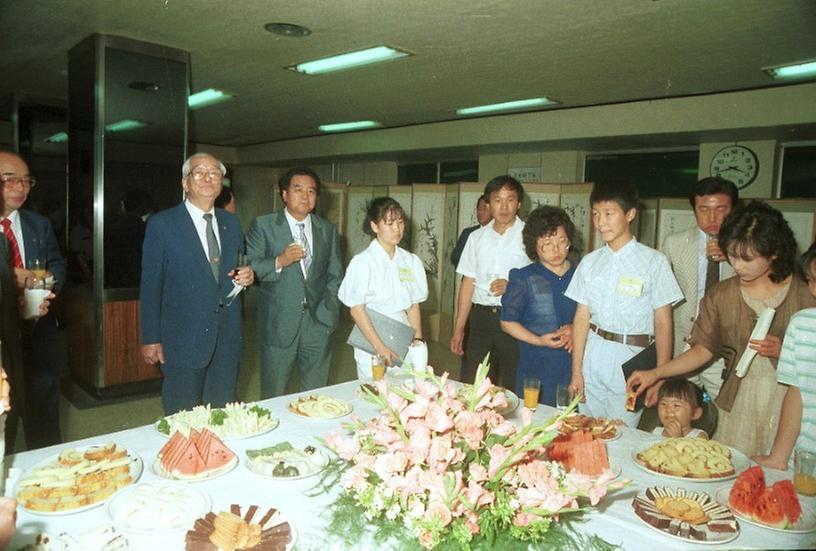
{"type": "Point", "coordinates": [296, 257]}
{"type": "Point", "coordinates": [696, 269]}
{"type": "Point", "coordinates": [490, 253]}
{"type": "Point", "coordinates": [190, 323]}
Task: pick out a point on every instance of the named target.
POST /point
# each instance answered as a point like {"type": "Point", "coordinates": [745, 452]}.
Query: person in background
{"type": "Point", "coordinates": [482, 217]}
{"type": "Point", "coordinates": [387, 279]}
{"type": "Point", "coordinates": [296, 256]}
{"type": "Point", "coordinates": [189, 266]}
{"type": "Point", "coordinates": [698, 263]}
{"type": "Point", "coordinates": [535, 311]}
{"type": "Point", "coordinates": [123, 237]}
{"type": "Point", "coordinates": [490, 253]}
{"type": "Point", "coordinates": [226, 200]}
{"type": "Point", "coordinates": [8, 520]}
{"type": "Point", "coordinates": [762, 250]}
{"type": "Point", "coordinates": [797, 417]}
{"type": "Point", "coordinates": [31, 239]}
{"type": "Point", "coordinates": [679, 404]}
{"type": "Point", "coordinates": [625, 291]}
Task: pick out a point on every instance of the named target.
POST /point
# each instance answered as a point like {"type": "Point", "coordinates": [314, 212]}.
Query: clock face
{"type": "Point", "coordinates": [736, 163]}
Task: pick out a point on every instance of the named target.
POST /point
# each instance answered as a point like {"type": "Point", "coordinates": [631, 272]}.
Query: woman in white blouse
{"type": "Point", "coordinates": [386, 279]}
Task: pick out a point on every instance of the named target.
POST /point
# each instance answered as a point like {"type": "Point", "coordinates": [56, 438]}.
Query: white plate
{"type": "Point", "coordinates": [136, 468]}
{"type": "Point", "coordinates": [348, 410]}
{"type": "Point", "coordinates": [273, 426]}
{"type": "Point", "coordinates": [159, 471]}
{"type": "Point", "coordinates": [196, 504]}
{"type": "Point", "coordinates": [805, 524]}
{"type": "Point", "coordinates": [613, 466]}
{"type": "Point", "coordinates": [279, 517]}
{"type": "Point", "coordinates": [512, 403]}
{"type": "Point", "coordinates": [739, 460]}
{"type": "Point", "coordinates": [618, 431]}
{"type": "Point", "coordinates": [725, 536]}
{"type": "Point", "coordinates": [320, 460]}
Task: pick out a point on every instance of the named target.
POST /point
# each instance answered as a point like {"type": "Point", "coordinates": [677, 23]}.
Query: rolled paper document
{"type": "Point", "coordinates": [760, 332]}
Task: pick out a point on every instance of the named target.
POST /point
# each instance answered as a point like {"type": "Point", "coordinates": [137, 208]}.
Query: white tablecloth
{"type": "Point", "coordinates": [613, 519]}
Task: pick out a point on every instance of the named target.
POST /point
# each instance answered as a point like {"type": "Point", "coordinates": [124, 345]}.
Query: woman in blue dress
{"type": "Point", "coordinates": [534, 309]}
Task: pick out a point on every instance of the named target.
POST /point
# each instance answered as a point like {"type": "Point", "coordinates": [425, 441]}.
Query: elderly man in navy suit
{"type": "Point", "coordinates": [31, 240]}
{"type": "Point", "coordinates": [190, 323]}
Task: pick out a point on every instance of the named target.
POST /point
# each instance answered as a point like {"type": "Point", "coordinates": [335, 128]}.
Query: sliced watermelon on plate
{"type": "Point", "coordinates": [768, 510]}
{"type": "Point", "coordinates": [785, 494]}
{"type": "Point", "coordinates": [747, 488]}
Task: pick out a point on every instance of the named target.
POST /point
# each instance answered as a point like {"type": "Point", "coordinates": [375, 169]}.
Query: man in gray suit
{"type": "Point", "coordinates": [698, 263]}
{"type": "Point", "coordinates": [296, 258]}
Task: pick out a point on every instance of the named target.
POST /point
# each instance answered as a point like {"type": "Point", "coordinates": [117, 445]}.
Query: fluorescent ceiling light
{"type": "Point", "coordinates": [59, 137]}
{"type": "Point", "coordinates": [795, 70]}
{"type": "Point", "coordinates": [210, 96]}
{"type": "Point", "coordinates": [506, 106]}
{"type": "Point", "coordinates": [343, 126]}
{"type": "Point", "coordinates": [123, 125]}
{"type": "Point", "coordinates": [349, 60]}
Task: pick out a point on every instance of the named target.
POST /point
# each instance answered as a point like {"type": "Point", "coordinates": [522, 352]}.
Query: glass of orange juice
{"type": "Point", "coordinates": [532, 387]}
{"type": "Point", "coordinates": [378, 367]}
{"type": "Point", "coordinates": [804, 472]}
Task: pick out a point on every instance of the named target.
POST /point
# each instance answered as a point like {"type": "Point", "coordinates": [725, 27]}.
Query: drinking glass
{"type": "Point", "coordinates": [562, 397]}
{"type": "Point", "coordinates": [532, 387]}
{"type": "Point", "coordinates": [378, 364]}
{"type": "Point", "coordinates": [37, 267]}
{"type": "Point", "coordinates": [712, 247]}
{"type": "Point", "coordinates": [804, 472]}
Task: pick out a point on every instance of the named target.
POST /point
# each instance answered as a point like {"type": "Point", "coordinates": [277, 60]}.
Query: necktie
{"type": "Point", "coordinates": [16, 259]}
{"type": "Point", "coordinates": [213, 250]}
{"type": "Point", "coordinates": [712, 274]}
{"type": "Point", "coordinates": [307, 260]}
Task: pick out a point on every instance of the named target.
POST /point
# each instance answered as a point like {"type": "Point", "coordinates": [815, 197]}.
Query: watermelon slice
{"type": "Point", "coordinates": [768, 510]}
{"type": "Point", "coordinates": [785, 494]}
{"type": "Point", "coordinates": [748, 486]}
{"type": "Point", "coordinates": [189, 464]}
{"type": "Point", "coordinates": [218, 455]}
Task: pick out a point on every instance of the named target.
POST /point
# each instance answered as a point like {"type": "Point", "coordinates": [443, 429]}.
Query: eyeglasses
{"type": "Point", "coordinates": [199, 175]}
{"type": "Point", "coordinates": [554, 245]}
{"type": "Point", "coordinates": [10, 181]}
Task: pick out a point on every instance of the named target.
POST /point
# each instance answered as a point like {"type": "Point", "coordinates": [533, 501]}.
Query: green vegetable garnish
{"type": "Point", "coordinates": [259, 411]}
{"type": "Point", "coordinates": [163, 426]}
{"type": "Point", "coordinates": [277, 448]}
{"type": "Point", "coordinates": [217, 416]}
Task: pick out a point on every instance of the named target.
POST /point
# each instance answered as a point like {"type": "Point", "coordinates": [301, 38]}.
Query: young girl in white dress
{"type": "Point", "coordinates": [387, 279]}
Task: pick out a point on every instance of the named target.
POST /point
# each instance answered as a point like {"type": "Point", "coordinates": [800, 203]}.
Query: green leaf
{"type": "Point", "coordinates": [217, 417]}
{"type": "Point", "coordinates": [282, 447]}
{"type": "Point", "coordinates": [163, 426]}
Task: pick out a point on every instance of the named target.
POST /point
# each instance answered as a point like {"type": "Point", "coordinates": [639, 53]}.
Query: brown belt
{"type": "Point", "coordinates": [632, 340]}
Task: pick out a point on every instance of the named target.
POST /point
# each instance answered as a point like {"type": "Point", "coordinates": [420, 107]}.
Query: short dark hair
{"type": "Point", "coordinates": [712, 186]}
{"type": "Point", "coordinates": [286, 180]}
{"type": "Point", "coordinates": [543, 221]}
{"type": "Point", "coordinates": [760, 227]}
{"type": "Point", "coordinates": [677, 387]}
{"type": "Point", "coordinates": [379, 209]}
{"type": "Point", "coordinates": [224, 197]}
{"type": "Point", "coordinates": [504, 181]}
{"type": "Point", "coordinates": [482, 198]}
{"type": "Point", "coordinates": [622, 192]}
{"type": "Point", "coordinates": [807, 259]}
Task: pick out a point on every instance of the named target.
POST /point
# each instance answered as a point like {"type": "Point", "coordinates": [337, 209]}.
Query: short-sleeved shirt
{"type": "Point", "coordinates": [623, 288]}
{"type": "Point", "coordinates": [387, 285]}
{"type": "Point", "coordinates": [797, 367]}
{"type": "Point", "coordinates": [490, 255]}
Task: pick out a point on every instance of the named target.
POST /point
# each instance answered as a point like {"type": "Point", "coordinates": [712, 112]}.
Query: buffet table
{"type": "Point", "coordinates": [613, 519]}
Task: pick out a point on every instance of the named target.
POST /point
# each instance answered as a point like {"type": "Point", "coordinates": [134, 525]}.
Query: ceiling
{"type": "Point", "coordinates": [466, 53]}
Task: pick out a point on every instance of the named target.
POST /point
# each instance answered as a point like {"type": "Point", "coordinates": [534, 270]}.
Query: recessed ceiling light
{"type": "Point", "coordinates": [348, 60]}
{"type": "Point", "coordinates": [287, 29]}
{"type": "Point", "coordinates": [344, 126]}
{"type": "Point", "coordinates": [144, 86]}
{"type": "Point", "coordinates": [59, 137]}
{"type": "Point", "coordinates": [803, 69]}
{"type": "Point", "coordinates": [123, 125]}
{"type": "Point", "coordinates": [210, 96]}
{"type": "Point", "coordinates": [506, 106]}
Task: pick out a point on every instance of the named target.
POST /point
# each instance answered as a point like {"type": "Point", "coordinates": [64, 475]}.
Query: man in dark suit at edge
{"type": "Point", "coordinates": [189, 324]}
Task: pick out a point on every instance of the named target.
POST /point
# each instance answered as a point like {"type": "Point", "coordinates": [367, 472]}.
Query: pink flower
{"type": "Point", "coordinates": [345, 448]}
{"type": "Point", "coordinates": [472, 522]}
{"type": "Point", "coordinates": [477, 472]}
{"type": "Point", "coordinates": [437, 419]}
{"type": "Point", "coordinates": [440, 453]}
{"type": "Point", "coordinates": [478, 496]}
{"type": "Point", "coordinates": [426, 539]}
{"type": "Point", "coordinates": [416, 409]}
{"type": "Point", "coordinates": [437, 509]}
{"type": "Point", "coordinates": [356, 478]}
{"type": "Point", "coordinates": [498, 454]}
{"type": "Point", "coordinates": [425, 389]}
{"type": "Point", "coordinates": [526, 417]}
{"type": "Point", "coordinates": [418, 444]}
{"type": "Point", "coordinates": [523, 519]}
{"type": "Point", "coordinates": [505, 429]}
{"type": "Point", "coordinates": [387, 463]}
{"type": "Point", "coordinates": [395, 401]}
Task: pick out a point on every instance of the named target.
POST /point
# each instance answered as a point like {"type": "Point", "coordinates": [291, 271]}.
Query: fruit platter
{"type": "Point", "coordinates": [77, 479]}
{"type": "Point", "coordinates": [286, 461]}
{"type": "Point", "coordinates": [157, 508]}
{"type": "Point", "coordinates": [319, 406]}
{"type": "Point", "coordinates": [686, 515]}
{"type": "Point", "coordinates": [201, 456]}
{"type": "Point", "coordinates": [580, 452]}
{"type": "Point", "coordinates": [254, 529]}
{"type": "Point", "coordinates": [598, 427]}
{"type": "Point", "coordinates": [775, 506]}
{"type": "Point", "coordinates": [691, 459]}
{"type": "Point", "coordinates": [233, 421]}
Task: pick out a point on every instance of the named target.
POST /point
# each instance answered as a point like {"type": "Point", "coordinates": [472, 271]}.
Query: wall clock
{"type": "Point", "coordinates": [736, 163]}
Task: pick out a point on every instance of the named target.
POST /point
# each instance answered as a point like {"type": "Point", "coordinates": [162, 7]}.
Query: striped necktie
{"type": "Point", "coordinates": [16, 259]}
{"type": "Point", "coordinates": [213, 250]}
{"type": "Point", "coordinates": [307, 249]}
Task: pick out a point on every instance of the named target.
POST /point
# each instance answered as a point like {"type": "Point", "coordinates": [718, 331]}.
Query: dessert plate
{"type": "Point", "coordinates": [739, 461]}
{"type": "Point", "coordinates": [805, 524]}
{"type": "Point", "coordinates": [157, 508]}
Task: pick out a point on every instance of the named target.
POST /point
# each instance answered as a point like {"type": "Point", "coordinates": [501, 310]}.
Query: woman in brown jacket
{"type": "Point", "coordinates": [762, 250]}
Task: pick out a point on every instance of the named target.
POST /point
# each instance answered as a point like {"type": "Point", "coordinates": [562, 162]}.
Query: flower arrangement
{"type": "Point", "coordinates": [440, 461]}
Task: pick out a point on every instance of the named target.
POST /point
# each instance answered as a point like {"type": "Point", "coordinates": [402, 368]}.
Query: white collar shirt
{"type": "Point", "coordinates": [307, 228]}
{"type": "Point", "coordinates": [17, 230]}
{"type": "Point", "coordinates": [489, 255]}
{"type": "Point", "coordinates": [201, 225]}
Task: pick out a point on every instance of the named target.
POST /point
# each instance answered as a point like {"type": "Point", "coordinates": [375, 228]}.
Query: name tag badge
{"type": "Point", "coordinates": [406, 275]}
{"type": "Point", "coordinates": [630, 286]}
